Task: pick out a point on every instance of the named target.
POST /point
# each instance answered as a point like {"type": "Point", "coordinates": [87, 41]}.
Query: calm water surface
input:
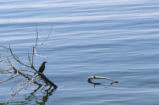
{"type": "Point", "coordinates": [117, 39]}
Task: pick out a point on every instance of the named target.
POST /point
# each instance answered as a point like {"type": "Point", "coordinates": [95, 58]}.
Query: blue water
{"type": "Point", "coordinates": [116, 39]}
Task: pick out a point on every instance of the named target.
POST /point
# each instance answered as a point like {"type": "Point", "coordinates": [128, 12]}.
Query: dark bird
{"type": "Point", "coordinates": [42, 67]}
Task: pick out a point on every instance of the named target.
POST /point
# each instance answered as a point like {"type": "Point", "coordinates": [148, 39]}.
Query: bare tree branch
{"type": "Point", "coordinates": [16, 58]}
{"type": "Point", "coordinates": [31, 74]}
{"type": "Point", "coordinates": [7, 79]}
{"type": "Point", "coordinates": [5, 72]}
{"type": "Point", "coordinates": [29, 59]}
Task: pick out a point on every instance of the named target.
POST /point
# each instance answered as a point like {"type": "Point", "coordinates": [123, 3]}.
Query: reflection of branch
{"type": "Point", "coordinates": [90, 78]}
{"type": "Point", "coordinates": [16, 92]}
{"type": "Point", "coordinates": [39, 101]}
{"type": "Point", "coordinates": [45, 97]}
{"type": "Point", "coordinates": [30, 97]}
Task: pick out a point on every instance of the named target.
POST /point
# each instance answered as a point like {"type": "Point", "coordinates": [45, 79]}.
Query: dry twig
{"type": "Point", "coordinates": [90, 78]}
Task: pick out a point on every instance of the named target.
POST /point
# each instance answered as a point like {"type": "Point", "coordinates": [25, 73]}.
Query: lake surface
{"type": "Point", "coordinates": [118, 39]}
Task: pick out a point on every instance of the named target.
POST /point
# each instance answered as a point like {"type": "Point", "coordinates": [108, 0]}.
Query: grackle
{"type": "Point", "coordinates": [42, 67]}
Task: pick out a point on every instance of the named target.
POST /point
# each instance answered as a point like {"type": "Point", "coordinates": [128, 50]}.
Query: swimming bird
{"type": "Point", "coordinates": [42, 67]}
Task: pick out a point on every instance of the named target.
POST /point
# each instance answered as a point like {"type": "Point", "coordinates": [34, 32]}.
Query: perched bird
{"type": "Point", "coordinates": [42, 67]}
